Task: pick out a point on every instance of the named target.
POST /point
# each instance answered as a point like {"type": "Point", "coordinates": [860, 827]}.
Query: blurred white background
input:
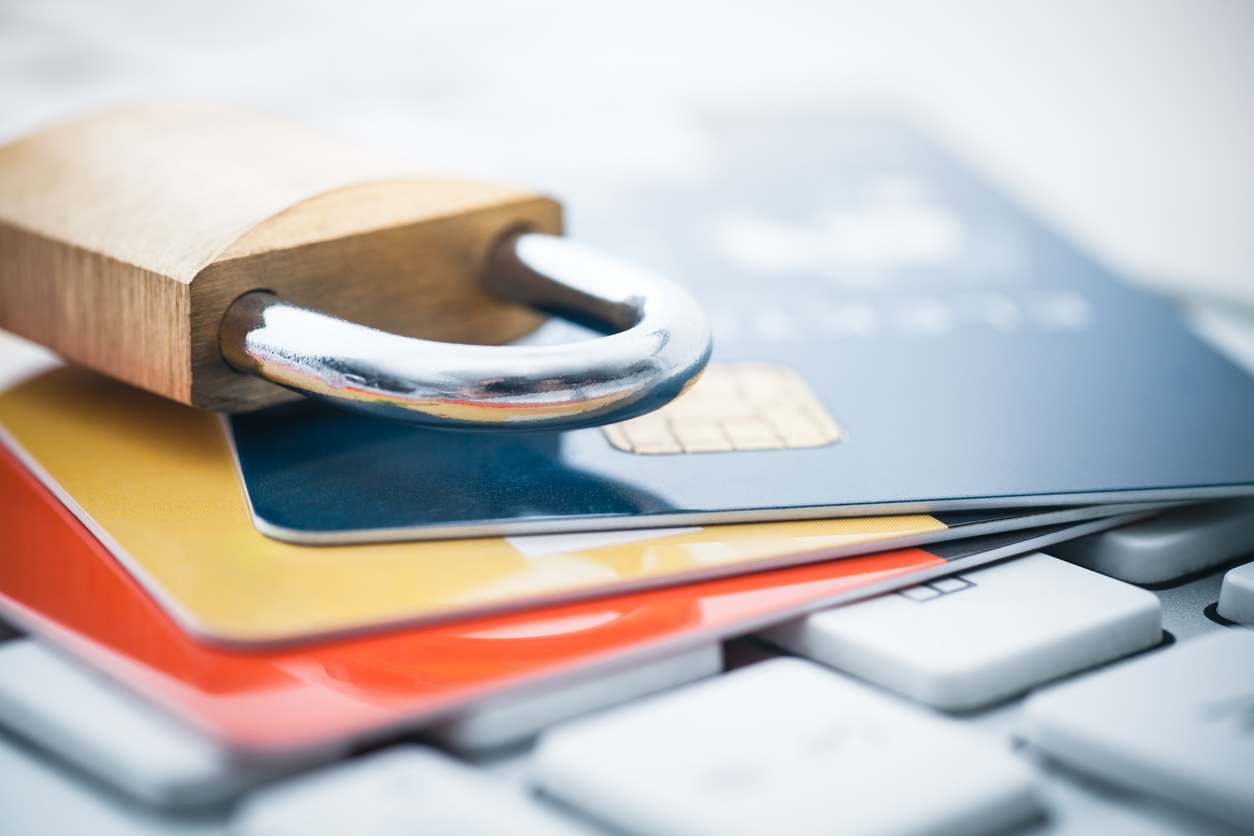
{"type": "Point", "coordinates": [1129, 124]}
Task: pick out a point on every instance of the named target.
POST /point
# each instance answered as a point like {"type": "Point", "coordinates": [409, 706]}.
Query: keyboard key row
{"type": "Point", "coordinates": [781, 746]}
{"type": "Point", "coordinates": [787, 747]}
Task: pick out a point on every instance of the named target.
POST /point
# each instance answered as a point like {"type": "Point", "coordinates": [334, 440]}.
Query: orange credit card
{"type": "Point", "coordinates": [59, 582]}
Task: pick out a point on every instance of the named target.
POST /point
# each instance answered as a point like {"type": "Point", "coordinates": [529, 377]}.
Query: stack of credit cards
{"type": "Point", "coordinates": [891, 336]}
{"type": "Point", "coordinates": [911, 377]}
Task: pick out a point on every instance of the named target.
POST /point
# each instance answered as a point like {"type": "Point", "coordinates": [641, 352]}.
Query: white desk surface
{"type": "Point", "coordinates": [1127, 123]}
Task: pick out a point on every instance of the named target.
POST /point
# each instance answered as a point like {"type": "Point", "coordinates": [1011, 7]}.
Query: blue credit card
{"type": "Point", "coordinates": [950, 352]}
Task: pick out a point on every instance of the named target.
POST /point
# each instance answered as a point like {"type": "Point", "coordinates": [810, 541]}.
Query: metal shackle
{"type": "Point", "coordinates": [656, 344]}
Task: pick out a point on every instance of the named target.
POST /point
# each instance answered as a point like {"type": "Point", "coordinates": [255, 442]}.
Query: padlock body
{"type": "Point", "coordinates": [125, 236]}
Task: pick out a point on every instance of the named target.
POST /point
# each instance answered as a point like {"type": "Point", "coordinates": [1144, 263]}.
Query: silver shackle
{"type": "Point", "coordinates": [656, 345]}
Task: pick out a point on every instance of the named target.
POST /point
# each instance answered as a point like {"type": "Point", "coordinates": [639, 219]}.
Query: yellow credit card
{"type": "Point", "coordinates": [156, 482]}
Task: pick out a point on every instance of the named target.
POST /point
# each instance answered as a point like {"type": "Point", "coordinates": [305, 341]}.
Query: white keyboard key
{"type": "Point", "coordinates": [109, 733]}
{"type": "Point", "coordinates": [40, 797]}
{"type": "Point", "coordinates": [788, 748]}
{"type": "Point", "coordinates": [1236, 597]}
{"type": "Point", "coordinates": [962, 642]}
{"type": "Point", "coordinates": [1175, 724]}
{"type": "Point", "coordinates": [518, 719]}
{"type": "Point", "coordinates": [401, 791]}
{"type": "Point", "coordinates": [1178, 542]}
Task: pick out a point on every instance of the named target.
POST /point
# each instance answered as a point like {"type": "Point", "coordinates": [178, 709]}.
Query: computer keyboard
{"type": "Point", "coordinates": [1034, 696]}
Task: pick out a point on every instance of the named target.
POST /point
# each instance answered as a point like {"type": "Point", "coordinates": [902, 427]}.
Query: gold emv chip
{"type": "Point", "coordinates": [738, 406]}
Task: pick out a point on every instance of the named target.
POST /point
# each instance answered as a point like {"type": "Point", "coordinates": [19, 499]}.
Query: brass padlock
{"type": "Point", "coordinates": [192, 252]}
